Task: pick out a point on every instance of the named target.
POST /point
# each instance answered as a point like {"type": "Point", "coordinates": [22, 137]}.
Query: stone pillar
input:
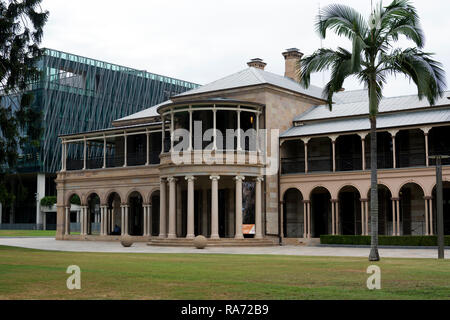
{"type": "Point", "coordinates": [239, 147]}
{"type": "Point", "coordinates": [104, 152]}
{"type": "Point", "coordinates": [190, 208]}
{"type": "Point", "coordinates": [84, 153]}
{"type": "Point", "coordinates": [147, 162]}
{"type": "Point", "coordinates": [162, 209]}
{"type": "Point", "coordinates": [333, 222]}
{"type": "Point", "coordinates": [127, 218]}
{"type": "Point", "coordinates": [431, 218]}
{"type": "Point", "coordinates": [205, 212]}
{"type": "Point", "coordinates": [305, 220]}
{"type": "Point", "coordinates": [238, 234]}
{"type": "Point", "coordinates": [149, 220]}
{"type": "Point", "coordinates": [305, 142]}
{"type": "Point", "coordinates": [40, 193]}
{"type": "Point", "coordinates": [426, 130]}
{"type": "Point", "coordinates": [104, 220]}
{"type": "Point", "coordinates": [363, 216]}
{"type": "Point", "coordinates": [84, 220]}
{"type": "Point", "coordinates": [63, 156]}
{"type": "Point", "coordinates": [122, 220]}
{"type": "Point", "coordinates": [367, 218]}
{"type": "Point", "coordinates": [172, 207]}
{"type": "Point", "coordinates": [333, 146]}
{"type": "Point", "coordinates": [214, 207]}
{"type": "Point", "coordinates": [125, 149]}
{"type": "Point", "coordinates": [67, 221]}
{"type": "Point", "coordinates": [163, 135]}
{"type": "Point", "coordinates": [427, 228]}
{"type": "Point", "coordinates": [363, 149]}
{"type": "Point", "coordinates": [394, 153]}
{"type": "Point", "coordinates": [258, 210]}
{"type": "Point", "coordinates": [308, 206]}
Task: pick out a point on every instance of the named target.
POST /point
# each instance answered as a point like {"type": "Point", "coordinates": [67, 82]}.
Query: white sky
{"type": "Point", "coordinates": [203, 40]}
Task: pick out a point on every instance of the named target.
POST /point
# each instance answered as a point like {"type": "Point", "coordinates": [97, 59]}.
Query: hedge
{"type": "Point", "coordinates": [417, 241]}
{"type": "Point", "coordinates": [48, 201]}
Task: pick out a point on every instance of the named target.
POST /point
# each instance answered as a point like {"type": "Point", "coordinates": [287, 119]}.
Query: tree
{"type": "Point", "coordinates": [371, 60]}
{"type": "Point", "coordinates": [21, 30]}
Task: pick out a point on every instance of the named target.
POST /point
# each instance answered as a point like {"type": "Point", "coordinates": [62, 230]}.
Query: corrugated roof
{"type": "Point", "coordinates": [362, 107]}
{"type": "Point", "coordinates": [392, 120]}
{"type": "Point", "coordinates": [147, 113]}
{"type": "Point", "coordinates": [253, 76]}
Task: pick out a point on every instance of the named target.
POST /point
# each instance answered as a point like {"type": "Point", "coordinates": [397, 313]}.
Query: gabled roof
{"type": "Point", "coordinates": [361, 107]}
{"type": "Point", "coordinates": [251, 77]}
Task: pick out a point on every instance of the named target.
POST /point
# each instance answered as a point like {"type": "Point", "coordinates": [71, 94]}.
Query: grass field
{"type": "Point", "coordinates": [27, 233]}
{"type": "Point", "coordinates": [33, 274]}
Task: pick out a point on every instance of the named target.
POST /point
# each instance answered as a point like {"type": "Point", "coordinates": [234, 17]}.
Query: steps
{"type": "Point", "coordinates": [301, 242]}
{"type": "Point", "coordinates": [226, 242]}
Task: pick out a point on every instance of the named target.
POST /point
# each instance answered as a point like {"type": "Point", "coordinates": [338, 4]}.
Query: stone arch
{"type": "Point", "coordinates": [346, 185]}
{"type": "Point", "coordinates": [110, 192]}
{"type": "Point", "coordinates": [130, 192]}
{"type": "Point", "coordinates": [411, 181]}
{"type": "Point", "coordinates": [86, 196]}
{"type": "Point", "coordinates": [318, 186]}
{"type": "Point", "coordinates": [349, 210]}
{"type": "Point", "coordinates": [148, 199]}
{"type": "Point", "coordinates": [287, 188]}
{"type": "Point", "coordinates": [70, 195]}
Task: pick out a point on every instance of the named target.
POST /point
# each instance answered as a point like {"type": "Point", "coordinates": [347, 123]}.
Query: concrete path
{"type": "Point", "coordinates": [103, 246]}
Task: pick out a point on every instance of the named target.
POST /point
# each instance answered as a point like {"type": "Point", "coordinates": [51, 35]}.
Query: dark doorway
{"type": "Point", "coordinates": [320, 211]}
{"type": "Point", "coordinates": [350, 211]}
{"type": "Point", "coordinates": [136, 215]}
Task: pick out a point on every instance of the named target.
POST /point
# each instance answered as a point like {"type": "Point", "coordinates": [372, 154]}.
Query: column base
{"type": "Point", "coordinates": [162, 236]}
{"type": "Point", "coordinates": [239, 236]}
{"type": "Point", "coordinates": [172, 236]}
{"type": "Point", "coordinates": [190, 236]}
{"type": "Point", "coordinates": [214, 236]}
{"type": "Point", "coordinates": [258, 236]}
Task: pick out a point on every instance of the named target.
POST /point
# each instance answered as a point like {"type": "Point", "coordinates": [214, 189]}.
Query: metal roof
{"type": "Point", "coordinates": [384, 121]}
{"type": "Point", "coordinates": [253, 76]}
{"type": "Point", "coordinates": [147, 113]}
{"type": "Point", "coordinates": [362, 107]}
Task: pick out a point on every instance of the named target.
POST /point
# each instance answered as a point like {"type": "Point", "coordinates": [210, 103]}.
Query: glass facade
{"type": "Point", "coordinates": [79, 94]}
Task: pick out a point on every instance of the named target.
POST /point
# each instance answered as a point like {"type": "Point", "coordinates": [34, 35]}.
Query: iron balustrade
{"type": "Point", "coordinates": [349, 163]}
{"type": "Point", "coordinates": [407, 159]}
{"type": "Point", "coordinates": [320, 164]}
{"type": "Point", "coordinates": [293, 165]}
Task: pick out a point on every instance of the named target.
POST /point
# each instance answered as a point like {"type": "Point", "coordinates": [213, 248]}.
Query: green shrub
{"type": "Point", "coordinates": [48, 201]}
{"type": "Point", "coordinates": [416, 241]}
{"type": "Point", "coordinates": [75, 200]}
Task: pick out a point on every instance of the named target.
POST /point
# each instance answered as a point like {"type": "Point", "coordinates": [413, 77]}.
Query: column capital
{"type": "Point", "coordinates": [259, 179]}
{"type": "Point", "coordinates": [162, 180]}
{"type": "Point", "coordinates": [172, 179]}
{"type": "Point", "coordinates": [305, 140]}
{"type": "Point", "coordinates": [333, 138]}
{"type": "Point", "coordinates": [393, 132]}
{"type": "Point", "coordinates": [214, 178]}
{"type": "Point", "coordinates": [426, 130]}
{"type": "Point", "coordinates": [239, 178]}
{"type": "Point", "coordinates": [363, 135]}
{"type": "Point", "coordinates": [190, 178]}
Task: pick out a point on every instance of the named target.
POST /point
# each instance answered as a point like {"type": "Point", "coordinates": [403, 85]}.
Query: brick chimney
{"type": "Point", "coordinates": [291, 56]}
{"type": "Point", "coordinates": [257, 63]}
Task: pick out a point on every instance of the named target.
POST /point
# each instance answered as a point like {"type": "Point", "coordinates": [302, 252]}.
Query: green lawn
{"type": "Point", "coordinates": [34, 274]}
{"type": "Point", "coordinates": [27, 233]}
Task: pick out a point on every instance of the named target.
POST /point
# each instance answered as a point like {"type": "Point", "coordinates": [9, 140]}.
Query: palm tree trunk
{"type": "Point", "coordinates": [374, 256]}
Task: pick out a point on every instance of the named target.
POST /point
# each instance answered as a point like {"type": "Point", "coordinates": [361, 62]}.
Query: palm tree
{"type": "Point", "coordinates": [373, 57]}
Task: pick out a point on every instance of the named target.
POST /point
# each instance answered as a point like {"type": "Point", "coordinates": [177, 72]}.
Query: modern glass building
{"type": "Point", "coordinates": [76, 94]}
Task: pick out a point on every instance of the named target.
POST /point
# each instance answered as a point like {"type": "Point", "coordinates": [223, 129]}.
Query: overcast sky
{"type": "Point", "coordinates": [204, 40]}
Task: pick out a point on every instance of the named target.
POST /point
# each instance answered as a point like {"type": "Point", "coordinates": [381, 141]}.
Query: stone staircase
{"type": "Point", "coordinates": [301, 242]}
{"type": "Point", "coordinates": [225, 242]}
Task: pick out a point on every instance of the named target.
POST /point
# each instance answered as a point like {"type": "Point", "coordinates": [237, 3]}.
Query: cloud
{"type": "Point", "coordinates": [203, 40]}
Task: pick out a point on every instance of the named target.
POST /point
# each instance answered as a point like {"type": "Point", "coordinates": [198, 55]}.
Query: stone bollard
{"type": "Point", "coordinates": [200, 242]}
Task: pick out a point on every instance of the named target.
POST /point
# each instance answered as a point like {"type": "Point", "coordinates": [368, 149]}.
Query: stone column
{"type": "Point", "coordinates": [162, 209]}
{"type": "Point", "coordinates": [84, 220]}
{"type": "Point", "coordinates": [122, 219]}
{"type": "Point", "coordinates": [144, 222]}
{"type": "Point", "coordinates": [63, 156]}
{"type": "Point", "coordinates": [125, 149]}
{"type": "Point", "coordinates": [172, 207]}
{"type": "Point", "coordinates": [305, 142]}
{"type": "Point", "coordinates": [363, 216]}
{"type": "Point", "coordinates": [363, 149]}
{"type": "Point", "coordinates": [163, 134]}
{"type": "Point", "coordinates": [149, 220]}
{"type": "Point", "coordinates": [394, 229]}
{"type": "Point", "coordinates": [431, 218]}
{"type": "Point", "coordinates": [426, 130]}
{"type": "Point", "coordinates": [308, 206]}
{"type": "Point", "coordinates": [205, 212]}
{"type": "Point", "coordinates": [214, 207]}
{"type": "Point", "coordinates": [338, 230]}
{"type": "Point", "coordinates": [147, 162]}
{"type": "Point", "coordinates": [333, 212]}
{"type": "Point", "coordinates": [258, 211]}
{"type": "Point", "coordinates": [396, 215]}
{"type": "Point", "coordinates": [394, 153]}
{"type": "Point", "coordinates": [104, 152]}
{"type": "Point", "coordinates": [127, 218]}
{"type": "Point", "coordinates": [305, 220]}
{"type": "Point", "coordinates": [239, 234]}
{"type": "Point", "coordinates": [190, 208]}
{"type": "Point", "coordinates": [239, 147]}
{"type": "Point", "coordinates": [367, 218]}
{"type": "Point", "coordinates": [84, 153]}
{"type": "Point", "coordinates": [67, 221]}
{"type": "Point", "coordinates": [333, 146]}
{"type": "Point", "coordinates": [427, 228]}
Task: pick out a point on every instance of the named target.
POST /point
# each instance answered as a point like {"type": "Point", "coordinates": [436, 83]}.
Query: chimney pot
{"type": "Point", "coordinates": [257, 63]}
{"type": "Point", "coordinates": [292, 57]}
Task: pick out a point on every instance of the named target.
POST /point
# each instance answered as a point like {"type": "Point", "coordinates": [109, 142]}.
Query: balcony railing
{"type": "Point", "coordinates": [293, 165]}
{"type": "Point", "coordinates": [349, 163]}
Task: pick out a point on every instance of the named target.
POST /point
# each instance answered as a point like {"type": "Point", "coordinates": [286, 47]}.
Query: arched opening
{"type": "Point", "coordinates": [154, 201]}
{"type": "Point", "coordinates": [412, 210]}
{"type": "Point", "coordinates": [384, 210]}
{"type": "Point", "coordinates": [320, 212]}
{"type": "Point", "coordinates": [93, 214]}
{"type": "Point", "coordinates": [135, 214]}
{"type": "Point", "coordinates": [348, 153]}
{"type": "Point", "coordinates": [410, 148]}
{"type": "Point", "coordinates": [293, 214]}
{"type": "Point", "coordinates": [292, 157]}
{"type": "Point", "coordinates": [75, 212]}
{"type": "Point", "coordinates": [114, 214]}
{"type": "Point", "coordinates": [349, 211]}
{"type": "Point", "coordinates": [446, 205]}
{"type": "Point", "coordinates": [320, 155]}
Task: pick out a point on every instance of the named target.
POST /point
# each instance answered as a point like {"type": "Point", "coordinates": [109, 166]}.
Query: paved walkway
{"type": "Point", "coordinates": [104, 246]}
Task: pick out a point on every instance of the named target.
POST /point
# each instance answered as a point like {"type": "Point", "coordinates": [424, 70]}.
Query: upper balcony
{"type": "Point", "coordinates": [396, 148]}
